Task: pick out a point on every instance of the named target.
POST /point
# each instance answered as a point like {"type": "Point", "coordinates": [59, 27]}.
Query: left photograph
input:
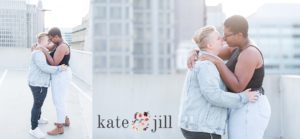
{"type": "Point", "coordinates": [45, 70]}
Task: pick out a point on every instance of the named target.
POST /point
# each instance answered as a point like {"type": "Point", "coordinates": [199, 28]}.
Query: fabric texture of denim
{"type": "Point", "coordinates": [39, 70]}
{"type": "Point", "coordinates": [205, 102]}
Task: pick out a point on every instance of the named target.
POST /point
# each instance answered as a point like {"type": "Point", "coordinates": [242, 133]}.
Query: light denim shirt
{"type": "Point", "coordinates": [39, 70]}
{"type": "Point", "coordinates": [205, 102]}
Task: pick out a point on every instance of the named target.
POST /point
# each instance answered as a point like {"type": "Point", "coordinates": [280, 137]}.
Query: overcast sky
{"type": "Point", "coordinates": [69, 13]}
{"type": "Point", "coordinates": [64, 13]}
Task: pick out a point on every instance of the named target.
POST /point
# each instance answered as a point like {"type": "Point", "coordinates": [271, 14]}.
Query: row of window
{"type": "Point", "coordinates": [113, 13]}
{"type": "Point", "coordinates": [111, 1]}
{"type": "Point", "coordinates": [123, 12]}
{"type": "Point", "coordinates": [139, 63]}
{"type": "Point", "coordinates": [123, 29]}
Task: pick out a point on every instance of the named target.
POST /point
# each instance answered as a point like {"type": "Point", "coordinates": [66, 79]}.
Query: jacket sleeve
{"type": "Point", "coordinates": [209, 81]}
{"type": "Point", "coordinates": [40, 60]}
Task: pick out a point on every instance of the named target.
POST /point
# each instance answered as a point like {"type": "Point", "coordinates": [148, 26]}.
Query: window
{"type": "Point", "coordinates": [116, 61]}
{"type": "Point", "coordinates": [139, 33]}
{"type": "Point", "coordinates": [116, 12]}
{"type": "Point", "coordinates": [162, 47]}
{"type": "Point", "coordinates": [138, 48]}
{"type": "Point", "coordinates": [100, 62]}
{"type": "Point", "coordinates": [116, 45]}
{"type": "Point", "coordinates": [127, 13]}
{"type": "Point", "coordinates": [100, 29]}
{"type": "Point", "coordinates": [100, 12]}
{"type": "Point", "coordinates": [161, 63]}
{"type": "Point", "coordinates": [127, 29]}
{"type": "Point", "coordinates": [116, 29]}
{"type": "Point", "coordinates": [127, 61]}
{"type": "Point", "coordinates": [100, 45]}
{"type": "Point", "coordinates": [126, 45]}
{"type": "Point", "coordinates": [138, 4]}
{"type": "Point", "coordinates": [100, 1]}
{"type": "Point", "coordinates": [138, 64]}
{"type": "Point", "coordinates": [115, 1]}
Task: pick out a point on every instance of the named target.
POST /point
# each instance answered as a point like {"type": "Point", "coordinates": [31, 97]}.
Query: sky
{"type": "Point", "coordinates": [64, 13]}
{"type": "Point", "coordinates": [69, 13]}
{"type": "Point", "coordinates": [244, 7]}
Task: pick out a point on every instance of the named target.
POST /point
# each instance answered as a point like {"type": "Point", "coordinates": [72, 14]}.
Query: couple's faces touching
{"type": "Point", "coordinates": [231, 38]}
{"type": "Point", "coordinates": [54, 39]}
{"type": "Point", "coordinates": [216, 40]}
{"type": "Point", "coordinates": [44, 41]}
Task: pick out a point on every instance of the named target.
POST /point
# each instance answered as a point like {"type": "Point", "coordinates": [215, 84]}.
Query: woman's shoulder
{"type": "Point", "coordinates": [251, 52]}
{"type": "Point", "coordinates": [204, 64]}
{"type": "Point", "coordinates": [36, 52]}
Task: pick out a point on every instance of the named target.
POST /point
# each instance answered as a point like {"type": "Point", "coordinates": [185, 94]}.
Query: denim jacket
{"type": "Point", "coordinates": [205, 102]}
{"type": "Point", "coordinates": [39, 70]}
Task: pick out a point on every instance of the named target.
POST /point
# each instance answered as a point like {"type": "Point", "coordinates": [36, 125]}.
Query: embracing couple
{"type": "Point", "coordinates": [46, 68]}
{"type": "Point", "coordinates": [218, 95]}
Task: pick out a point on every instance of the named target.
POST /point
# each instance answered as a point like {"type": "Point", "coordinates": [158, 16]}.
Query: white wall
{"type": "Point", "coordinates": [122, 95]}
{"type": "Point", "coordinates": [17, 58]}
{"type": "Point", "coordinates": [81, 64]}
{"type": "Point", "coordinates": [290, 97]}
{"type": "Point", "coordinates": [119, 95]}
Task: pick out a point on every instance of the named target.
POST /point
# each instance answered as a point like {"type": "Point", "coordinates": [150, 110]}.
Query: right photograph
{"type": "Point", "coordinates": [198, 69]}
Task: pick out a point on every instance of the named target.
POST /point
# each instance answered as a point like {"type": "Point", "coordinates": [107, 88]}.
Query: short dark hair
{"type": "Point", "coordinates": [54, 31]}
{"type": "Point", "coordinates": [236, 24]}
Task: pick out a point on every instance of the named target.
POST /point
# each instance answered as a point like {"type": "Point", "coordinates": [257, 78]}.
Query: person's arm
{"type": "Point", "coordinates": [58, 55]}
{"type": "Point", "coordinates": [226, 52]}
{"type": "Point", "coordinates": [50, 46]}
{"type": "Point", "coordinates": [40, 60]}
{"type": "Point", "coordinates": [209, 82]}
{"type": "Point", "coordinates": [193, 56]}
{"type": "Point", "coordinates": [247, 62]}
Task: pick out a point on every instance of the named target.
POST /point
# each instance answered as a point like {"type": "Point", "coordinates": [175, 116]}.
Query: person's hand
{"type": "Point", "coordinates": [210, 57]}
{"type": "Point", "coordinates": [44, 49]}
{"type": "Point", "coordinates": [252, 95]}
{"type": "Point", "coordinates": [193, 57]}
{"type": "Point", "coordinates": [63, 67]}
{"type": "Point", "coordinates": [33, 47]}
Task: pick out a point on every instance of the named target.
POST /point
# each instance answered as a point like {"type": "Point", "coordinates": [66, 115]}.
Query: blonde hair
{"type": "Point", "coordinates": [40, 35]}
{"type": "Point", "coordinates": [201, 37]}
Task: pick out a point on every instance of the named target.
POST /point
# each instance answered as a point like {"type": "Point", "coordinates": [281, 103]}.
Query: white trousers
{"type": "Point", "coordinates": [60, 87]}
{"type": "Point", "coordinates": [250, 121]}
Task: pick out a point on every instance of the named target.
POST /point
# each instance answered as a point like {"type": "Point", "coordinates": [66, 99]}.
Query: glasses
{"type": "Point", "coordinates": [50, 38]}
{"type": "Point", "coordinates": [228, 35]}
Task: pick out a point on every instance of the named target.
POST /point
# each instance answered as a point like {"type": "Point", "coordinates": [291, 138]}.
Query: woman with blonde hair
{"type": "Point", "coordinates": [205, 102]}
{"type": "Point", "coordinates": [39, 81]}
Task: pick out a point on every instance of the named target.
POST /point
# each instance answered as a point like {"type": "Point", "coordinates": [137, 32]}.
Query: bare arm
{"type": "Point", "coordinates": [40, 61]}
{"type": "Point", "coordinates": [209, 84]}
{"type": "Point", "coordinates": [225, 54]}
{"type": "Point", "coordinates": [244, 69]}
{"type": "Point", "coordinates": [59, 54]}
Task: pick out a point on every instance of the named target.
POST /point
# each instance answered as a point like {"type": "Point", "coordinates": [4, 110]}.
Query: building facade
{"type": "Point", "coordinates": [133, 36]}
{"type": "Point", "coordinates": [67, 34]}
{"type": "Point", "coordinates": [79, 35]}
{"type": "Point", "coordinates": [278, 37]}
{"type": "Point", "coordinates": [187, 22]}
{"type": "Point", "coordinates": [19, 23]}
{"type": "Point", "coordinates": [215, 16]}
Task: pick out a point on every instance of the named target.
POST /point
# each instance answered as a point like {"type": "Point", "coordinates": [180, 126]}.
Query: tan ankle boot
{"type": "Point", "coordinates": [59, 129]}
{"type": "Point", "coordinates": [67, 121]}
